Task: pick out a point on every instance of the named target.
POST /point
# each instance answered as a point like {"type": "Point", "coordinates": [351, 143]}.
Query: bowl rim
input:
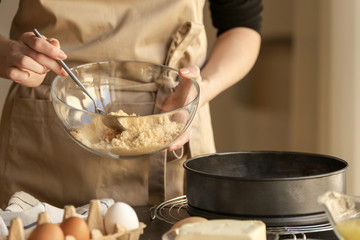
{"type": "Point", "coordinates": [194, 102]}
{"type": "Point", "coordinates": [58, 78]}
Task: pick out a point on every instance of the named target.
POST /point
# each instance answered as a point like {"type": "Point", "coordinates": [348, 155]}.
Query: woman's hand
{"type": "Point", "coordinates": [28, 60]}
{"type": "Point", "coordinates": [180, 96]}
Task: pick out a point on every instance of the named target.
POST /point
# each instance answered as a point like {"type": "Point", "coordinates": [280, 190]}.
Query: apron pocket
{"type": "Point", "coordinates": [45, 162]}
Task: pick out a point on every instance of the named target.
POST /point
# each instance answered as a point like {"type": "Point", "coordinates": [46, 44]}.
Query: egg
{"type": "Point", "coordinates": [120, 213]}
{"type": "Point", "coordinates": [76, 227]}
{"type": "Point", "coordinates": [188, 220]}
{"type": "Point", "coordinates": [47, 231]}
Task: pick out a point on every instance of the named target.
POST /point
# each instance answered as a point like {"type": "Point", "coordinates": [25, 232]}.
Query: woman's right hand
{"type": "Point", "coordinates": [28, 60]}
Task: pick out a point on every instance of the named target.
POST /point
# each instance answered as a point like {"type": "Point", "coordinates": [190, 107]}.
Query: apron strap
{"type": "Point", "coordinates": [157, 177]}
{"type": "Point", "coordinates": [182, 39]}
{"type": "Point", "coordinates": [157, 169]}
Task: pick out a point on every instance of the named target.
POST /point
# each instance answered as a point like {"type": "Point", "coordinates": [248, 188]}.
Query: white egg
{"type": "Point", "coordinates": [120, 213]}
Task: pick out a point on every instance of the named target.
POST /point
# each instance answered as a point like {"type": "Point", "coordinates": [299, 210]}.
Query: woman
{"type": "Point", "coordinates": [38, 157]}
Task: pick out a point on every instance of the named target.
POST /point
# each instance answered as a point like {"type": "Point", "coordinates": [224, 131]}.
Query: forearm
{"type": "Point", "coordinates": [234, 54]}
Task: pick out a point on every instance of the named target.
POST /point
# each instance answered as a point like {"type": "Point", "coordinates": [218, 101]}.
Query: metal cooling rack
{"type": "Point", "coordinates": [175, 210]}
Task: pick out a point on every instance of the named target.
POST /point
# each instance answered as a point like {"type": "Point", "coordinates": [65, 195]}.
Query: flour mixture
{"type": "Point", "coordinates": [143, 134]}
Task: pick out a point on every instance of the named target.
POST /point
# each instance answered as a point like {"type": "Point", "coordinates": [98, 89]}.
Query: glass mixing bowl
{"type": "Point", "coordinates": [343, 212]}
{"type": "Point", "coordinates": [153, 102]}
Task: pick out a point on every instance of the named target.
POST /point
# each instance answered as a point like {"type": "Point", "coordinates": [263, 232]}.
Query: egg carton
{"type": "Point", "coordinates": [94, 220]}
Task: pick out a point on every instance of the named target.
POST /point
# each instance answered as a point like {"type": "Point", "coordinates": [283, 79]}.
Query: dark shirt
{"type": "Point", "coordinates": [227, 14]}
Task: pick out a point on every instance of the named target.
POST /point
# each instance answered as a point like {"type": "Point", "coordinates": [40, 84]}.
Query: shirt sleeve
{"type": "Point", "coordinates": [227, 14]}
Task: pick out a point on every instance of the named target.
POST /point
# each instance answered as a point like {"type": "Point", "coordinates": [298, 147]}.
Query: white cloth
{"type": "Point", "coordinates": [26, 207]}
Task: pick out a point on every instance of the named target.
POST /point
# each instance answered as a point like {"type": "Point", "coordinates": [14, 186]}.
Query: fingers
{"type": "Point", "coordinates": [45, 61]}
{"type": "Point", "coordinates": [25, 61]}
{"type": "Point", "coordinates": [186, 72]}
{"type": "Point", "coordinates": [181, 141]}
{"type": "Point", "coordinates": [30, 58]}
{"type": "Point", "coordinates": [54, 42]}
{"type": "Point", "coordinates": [25, 78]}
{"type": "Point", "coordinates": [191, 72]}
{"type": "Point", "coordinates": [43, 52]}
{"type": "Point", "coordinates": [47, 48]}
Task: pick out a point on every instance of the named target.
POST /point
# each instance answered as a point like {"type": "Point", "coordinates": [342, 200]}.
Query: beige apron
{"type": "Point", "coordinates": [38, 157]}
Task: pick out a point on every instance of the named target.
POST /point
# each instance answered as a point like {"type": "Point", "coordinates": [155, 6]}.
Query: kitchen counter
{"type": "Point", "coordinates": [154, 228]}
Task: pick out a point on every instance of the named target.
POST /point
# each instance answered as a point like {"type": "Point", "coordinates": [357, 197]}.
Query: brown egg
{"type": "Point", "coordinates": [76, 227]}
{"type": "Point", "coordinates": [47, 231]}
{"type": "Point", "coordinates": [188, 220]}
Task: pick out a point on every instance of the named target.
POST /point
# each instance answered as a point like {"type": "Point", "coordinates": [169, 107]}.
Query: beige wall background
{"type": "Point", "coordinates": [303, 93]}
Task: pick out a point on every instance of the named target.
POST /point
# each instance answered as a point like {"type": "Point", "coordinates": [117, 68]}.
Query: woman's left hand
{"type": "Point", "coordinates": [187, 72]}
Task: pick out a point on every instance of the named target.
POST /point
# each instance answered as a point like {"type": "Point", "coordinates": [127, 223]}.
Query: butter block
{"type": "Point", "coordinates": [224, 229]}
